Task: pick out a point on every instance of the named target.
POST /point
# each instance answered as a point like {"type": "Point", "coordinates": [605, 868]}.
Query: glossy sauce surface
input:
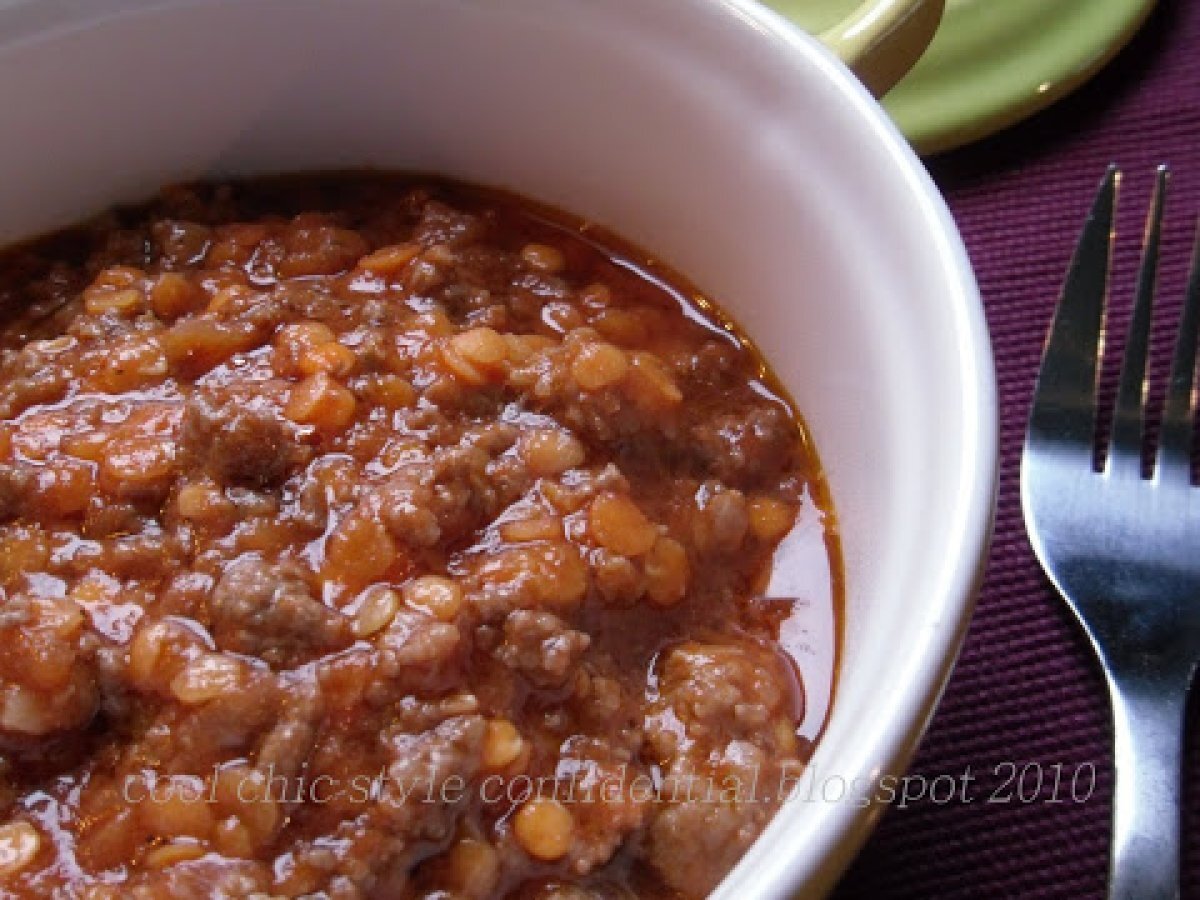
{"type": "Point", "coordinates": [363, 536]}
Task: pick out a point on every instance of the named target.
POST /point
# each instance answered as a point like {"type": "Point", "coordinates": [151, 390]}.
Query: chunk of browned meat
{"type": "Point", "coordinates": [723, 520]}
{"type": "Point", "coordinates": [268, 610]}
{"type": "Point", "coordinates": [721, 729]}
{"type": "Point", "coordinates": [197, 879]}
{"type": "Point", "coordinates": [418, 651]}
{"type": "Point", "coordinates": [451, 495]}
{"type": "Point", "coordinates": [287, 746]}
{"type": "Point", "coordinates": [541, 647]}
{"type": "Point", "coordinates": [437, 764]}
{"type": "Point", "coordinates": [747, 446]}
{"type": "Point", "coordinates": [692, 845]}
{"type": "Point", "coordinates": [718, 693]}
{"type": "Point", "coordinates": [441, 224]}
{"type": "Point", "coordinates": [238, 445]}
{"type": "Point", "coordinates": [423, 791]}
{"type": "Point", "coordinates": [14, 483]}
{"type": "Point", "coordinates": [601, 772]}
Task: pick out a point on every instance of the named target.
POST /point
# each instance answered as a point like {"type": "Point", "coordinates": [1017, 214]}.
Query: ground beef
{"type": "Point", "coordinates": [14, 484]}
{"type": "Point", "coordinates": [723, 521]}
{"type": "Point", "coordinates": [541, 647]}
{"type": "Point", "coordinates": [419, 649]}
{"type": "Point", "coordinates": [746, 447]}
{"type": "Point", "coordinates": [441, 224]}
{"type": "Point", "coordinates": [238, 445]}
{"type": "Point", "coordinates": [268, 610]}
{"type": "Point", "coordinates": [201, 878]}
{"type": "Point", "coordinates": [720, 731]}
{"type": "Point", "coordinates": [425, 763]}
{"type": "Point", "coordinates": [720, 692]}
{"type": "Point", "coordinates": [601, 773]}
{"type": "Point", "coordinates": [420, 795]}
{"type": "Point", "coordinates": [290, 741]}
{"type": "Point", "coordinates": [693, 845]}
{"type": "Point", "coordinates": [334, 510]}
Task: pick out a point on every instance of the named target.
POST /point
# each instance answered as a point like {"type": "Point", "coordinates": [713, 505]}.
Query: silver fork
{"type": "Point", "coordinates": [1122, 549]}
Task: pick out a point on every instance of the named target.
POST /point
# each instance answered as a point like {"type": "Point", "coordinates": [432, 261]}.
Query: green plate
{"type": "Point", "coordinates": [993, 62]}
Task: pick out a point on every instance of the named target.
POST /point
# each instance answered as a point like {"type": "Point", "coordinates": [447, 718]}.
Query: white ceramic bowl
{"type": "Point", "coordinates": [711, 133]}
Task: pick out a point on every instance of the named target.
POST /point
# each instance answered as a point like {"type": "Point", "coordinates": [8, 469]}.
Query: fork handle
{"type": "Point", "coordinates": [1148, 718]}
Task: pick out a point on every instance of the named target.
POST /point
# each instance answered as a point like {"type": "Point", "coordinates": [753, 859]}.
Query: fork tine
{"type": "Point", "coordinates": [1064, 402]}
{"type": "Point", "coordinates": [1125, 447]}
{"type": "Point", "coordinates": [1175, 443]}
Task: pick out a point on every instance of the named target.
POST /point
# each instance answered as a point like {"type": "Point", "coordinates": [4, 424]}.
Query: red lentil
{"type": "Point", "coordinates": [307, 480]}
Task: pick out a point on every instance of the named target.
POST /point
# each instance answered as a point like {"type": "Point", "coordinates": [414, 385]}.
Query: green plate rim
{"type": "Point", "coordinates": [945, 103]}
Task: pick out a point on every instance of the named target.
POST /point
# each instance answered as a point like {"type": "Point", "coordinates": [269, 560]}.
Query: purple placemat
{"type": "Point", "coordinates": [1026, 695]}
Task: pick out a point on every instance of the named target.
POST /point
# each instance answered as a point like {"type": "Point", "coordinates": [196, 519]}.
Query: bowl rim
{"type": "Point", "coordinates": [947, 611]}
{"type": "Point", "coordinates": [962, 564]}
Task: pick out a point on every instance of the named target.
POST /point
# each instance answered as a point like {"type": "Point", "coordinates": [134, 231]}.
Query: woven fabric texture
{"type": "Point", "coordinates": [1027, 695]}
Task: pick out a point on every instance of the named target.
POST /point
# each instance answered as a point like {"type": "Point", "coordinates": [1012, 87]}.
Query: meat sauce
{"type": "Point", "coordinates": [364, 535]}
